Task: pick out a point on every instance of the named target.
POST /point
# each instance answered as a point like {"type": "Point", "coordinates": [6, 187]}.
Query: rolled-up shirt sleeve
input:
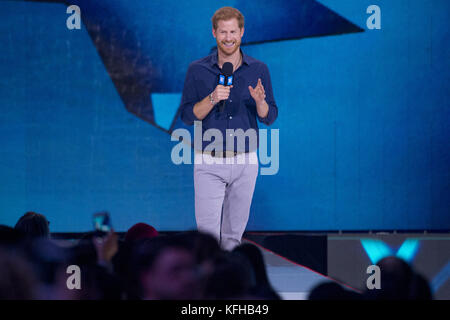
{"type": "Point", "coordinates": [273, 109]}
{"type": "Point", "coordinates": [189, 98]}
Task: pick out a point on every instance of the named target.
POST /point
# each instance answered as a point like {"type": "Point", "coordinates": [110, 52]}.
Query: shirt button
{"type": "Point", "coordinates": [231, 117]}
{"type": "Point", "coordinates": [231, 100]}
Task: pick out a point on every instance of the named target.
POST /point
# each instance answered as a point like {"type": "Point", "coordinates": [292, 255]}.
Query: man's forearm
{"type": "Point", "coordinates": [202, 108]}
{"type": "Point", "coordinates": [262, 109]}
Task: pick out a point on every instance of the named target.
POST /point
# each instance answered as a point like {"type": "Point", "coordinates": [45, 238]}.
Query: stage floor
{"type": "Point", "coordinates": [291, 280]}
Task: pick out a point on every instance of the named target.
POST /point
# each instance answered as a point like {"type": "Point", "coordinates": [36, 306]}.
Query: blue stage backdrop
{"type": "Point", "coordinates": [364, 114]}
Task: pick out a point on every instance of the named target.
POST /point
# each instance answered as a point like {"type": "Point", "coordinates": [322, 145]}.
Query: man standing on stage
{"type": "Point", "coordinates": [224, 179]}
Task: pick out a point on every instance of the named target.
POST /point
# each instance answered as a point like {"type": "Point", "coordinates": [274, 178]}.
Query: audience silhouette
{"type": "Point", "coordinates": [145, 264]}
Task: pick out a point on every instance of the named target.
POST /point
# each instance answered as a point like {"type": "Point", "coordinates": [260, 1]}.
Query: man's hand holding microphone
{"type": "Point", "coordinates": [220, 93]}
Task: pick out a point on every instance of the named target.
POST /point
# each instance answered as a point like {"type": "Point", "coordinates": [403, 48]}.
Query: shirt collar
{"type": "Point", "coordinates": [214, 60]}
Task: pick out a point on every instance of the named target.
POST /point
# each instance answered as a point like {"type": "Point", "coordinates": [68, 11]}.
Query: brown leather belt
{"type": "Point", "coordinates": [222, 154]}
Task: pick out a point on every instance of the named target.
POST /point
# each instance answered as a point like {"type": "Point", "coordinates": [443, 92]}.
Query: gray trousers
{"type": "Point", "coordinates": [223, 194]}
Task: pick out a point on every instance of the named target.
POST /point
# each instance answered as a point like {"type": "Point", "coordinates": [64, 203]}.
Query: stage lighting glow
{"type": "Point", "coordinates": [440, 278]}
{"type": "Point", "coordinates": [377, 250]}
{"type": "Point", "coordinates": [408, 250]}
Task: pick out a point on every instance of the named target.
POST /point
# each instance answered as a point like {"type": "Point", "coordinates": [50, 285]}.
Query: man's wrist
{"type": "Point", "coordinates": [261, 103]}
{"type": "Point", "coordinates": [261, 107]}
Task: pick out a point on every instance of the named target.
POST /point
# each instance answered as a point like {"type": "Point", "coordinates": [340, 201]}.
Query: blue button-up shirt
{"type": "Point", "coordinates": [240, 108]}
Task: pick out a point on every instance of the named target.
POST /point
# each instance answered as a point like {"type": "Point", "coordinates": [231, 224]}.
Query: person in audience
{"type": "Point", "coordinates": [163, 268]}
{"type": "Point", "coordinates": [33, 225]}
{"type": "Point", "coordinates": [147, 265]}
{"type": "Point", "coordinates": [399, 282]}
{"type": "Point", "coordinates": [140, 231]}
{"type": "Point", "coordinates": [230, 278]}
{"type": "Point", "coordinates": [94, 255]}
{"type": "Point", "coordinates": [420, 288]}
{"type": "Point", "coordinates": [10, 236]}
{"type": "Point", "coordinates": [260, 286]}
{"type": "Point", "coordinates": [121, 261]}
{"type": "Point", "coordinates": [49, 263]}
{"type": "Point", "coordinates": [17, 279]}
{"type": "Point", "coordinates": [205, 248]}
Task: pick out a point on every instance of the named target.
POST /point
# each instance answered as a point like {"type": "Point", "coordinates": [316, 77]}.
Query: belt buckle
{"type": "Point", "coordinates": [213, 153]}
{"type": "Point", "coordinates": [223, 154]}
{"type": "Point", "coordinates": [229, 154]}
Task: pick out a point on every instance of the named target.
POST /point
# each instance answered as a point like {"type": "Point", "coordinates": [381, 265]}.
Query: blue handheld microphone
{"type": "Point", "coordinates": [226, 79]}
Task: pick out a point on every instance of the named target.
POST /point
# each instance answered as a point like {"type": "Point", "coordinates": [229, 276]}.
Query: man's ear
{"type": "Point", "coordinates": [242, 32]}
{"type": "Point", "coordinates": [214, 32]}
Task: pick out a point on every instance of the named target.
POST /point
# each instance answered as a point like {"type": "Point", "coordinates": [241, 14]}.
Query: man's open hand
{"type": "Point", "coordinates": [258, 94]}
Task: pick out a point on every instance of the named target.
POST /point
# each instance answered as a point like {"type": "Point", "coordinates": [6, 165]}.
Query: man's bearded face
{"type": "Point", "coordinates": [228, 36]}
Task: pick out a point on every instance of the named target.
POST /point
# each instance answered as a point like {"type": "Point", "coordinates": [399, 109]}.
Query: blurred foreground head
{"type": "Point", "coordinates": [17, 280]}
{"type": "Point", "coordinates": [10, 236]}
{"type": "Point", "coordinates": [33, 225]}
{"type": "Point", "coordinates": [399, 282]}
{"type": "Point", "coordinates": [163, 269]}
{"type": "Point", "coordinates": [231, 277]}
{"type": "Point", "coordinates": [260, 284]}
{"type": "Point", "coordinates": [140, 231]}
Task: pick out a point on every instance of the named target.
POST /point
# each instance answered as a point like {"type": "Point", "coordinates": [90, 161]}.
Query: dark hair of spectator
{"type": "Point", "coordinates": [33, 225]}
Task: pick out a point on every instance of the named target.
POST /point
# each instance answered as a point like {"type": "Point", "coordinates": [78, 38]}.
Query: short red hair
{"type": "Point", "coordinates": [227, 13]}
